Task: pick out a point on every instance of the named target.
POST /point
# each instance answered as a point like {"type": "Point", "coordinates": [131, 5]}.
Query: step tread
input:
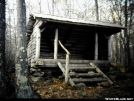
{"type": "Point", "coordinates": [77, 65]}
{"type": "Point", "coordinates": [78, 80]}
{"type": "Point", "coordinates": [82, 67]}
{"type": "Point", "coordinates": [85, 74]}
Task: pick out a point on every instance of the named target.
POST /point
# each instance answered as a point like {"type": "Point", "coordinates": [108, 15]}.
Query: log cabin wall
{"type": "Point", "coordinates": [31, 47]}
{"type": "Point", "coordinates": [79, 40]}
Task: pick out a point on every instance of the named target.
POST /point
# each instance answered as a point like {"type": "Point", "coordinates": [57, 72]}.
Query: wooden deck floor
{"type": "Point", "coordinates": [53, 62]}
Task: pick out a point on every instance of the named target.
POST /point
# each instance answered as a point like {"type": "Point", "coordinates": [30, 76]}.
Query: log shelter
{"type": "Point", "coordinates": [53, 40]}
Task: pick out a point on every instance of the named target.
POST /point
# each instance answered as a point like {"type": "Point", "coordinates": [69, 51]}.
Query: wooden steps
{"type": "Point", "coordinates": [91, 74]}
{"type": "Point", "coordinates": [80, 71]}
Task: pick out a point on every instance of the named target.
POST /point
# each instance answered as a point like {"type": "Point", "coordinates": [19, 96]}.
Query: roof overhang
{"type": "Point", "coordinates": [57, 19]}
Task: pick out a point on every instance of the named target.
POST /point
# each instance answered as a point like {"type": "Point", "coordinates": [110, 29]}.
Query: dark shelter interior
{"type": "Point", "coordinates": [78, 38]}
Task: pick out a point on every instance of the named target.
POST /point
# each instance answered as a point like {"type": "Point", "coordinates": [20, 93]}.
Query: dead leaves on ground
{"type": "Point", "coordinates": [59, 90]}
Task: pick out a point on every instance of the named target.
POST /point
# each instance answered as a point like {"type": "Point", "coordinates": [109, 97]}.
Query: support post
{"type": "Point", "coordinates": [56, 44]}
{"type": "Point", "coordinates": [38, 36]}
{"type": "Point", "coordinates": [67, 68]}
{"type": "Point", "coordinates": [109, 49]}
{"type": "Point", "coordinates": [96, 46]}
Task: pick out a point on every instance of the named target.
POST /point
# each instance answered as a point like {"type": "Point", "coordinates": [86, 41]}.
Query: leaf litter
{"type": "Point", "coordinates": [57, 89]}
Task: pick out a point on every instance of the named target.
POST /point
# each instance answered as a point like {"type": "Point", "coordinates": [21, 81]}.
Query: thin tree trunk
{"type": "Point", "coordinates": [127, 50]}
{"type": "Point", "coordinates": [39, 1]}
{"type": "Point", "coordinates": [23, 88]}
{"type": "Point", "coordinates": [130, 27]}
{"type": "Point", "coordinates": [97, 12]}
{"type": "Point", "coordinates": [48, 7]}
{"type": "Point", "coordinates": [2, 50]}
{"type": "Point", "coordinates": [53, 7]}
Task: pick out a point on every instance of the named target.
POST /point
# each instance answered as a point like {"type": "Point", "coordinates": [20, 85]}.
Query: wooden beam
{"type": "Point", "coordinates": [63, 70]}
{"type": "Point", "coordinates": [67, 68]}
{"type": "Point", "coordinates": [85, 75]}
{"type": "Point", "coordinates": [56, 44]}
{"type": "Point", "coordinates": [96, 46]}
{"type": "Point", "coordinates": [77, 62]}
{"type": "Point", "coordinates": [61, 67]}
{"type": "Point", "coordinates": [109, 49]}
{"type": "Point", "coordinates": [99, 71]}
{"type": "Point", "coordinates": [67, 62]}
{"type": "Point", "coordinates": [64, 48]}
{"type": "Point", "coordinates": [38, 36]}
{"type": "Point", "coordinates": [82, 68]}
{"type": "Point", "coordinates": [76, 80]}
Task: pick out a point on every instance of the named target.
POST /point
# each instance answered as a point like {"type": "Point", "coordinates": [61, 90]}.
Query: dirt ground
{"type": "Point", "coordinates": [55, 88]}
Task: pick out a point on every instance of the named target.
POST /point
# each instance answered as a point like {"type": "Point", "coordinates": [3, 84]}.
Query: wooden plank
{"type": "Point", "coordinates": [84, 62]}
{"type": "Point", "coordinates": [77, 80]}
{"type": "Point", "coordinates": [38, 35]}
{"type": "Point", "coordinates": [96, 46]}
{"type": "Point", "coordinates": [84, 75]}
{"type": "Point", "coordinates": [109, 49]}
{"type": "Point", "coordinates": [52, 64]}
{"type": "Point", "coordinates": [99, 71]}
{"type": "Point", "coordinates": [64, 47]}
{"type": "Point", "coordinates": [67, 68]}
{"type": "Point", "coordinates": [61, 67]}
{"type": "Point", "coordinates": [63, 70]}
{"type": "Point", "coordinates": [47, 65]}
{"type": "Point", "coordinates": [56, 44]}
{"type": "Point", "coordinates": [77, 65]}
{"type": "Point", "coordinates": [38, 23]}
{"type": "Point", "coordinates": [82, 68]}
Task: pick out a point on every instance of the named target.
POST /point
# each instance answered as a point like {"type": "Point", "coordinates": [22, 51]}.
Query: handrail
{"type": "Point", "coordinates": [63, 47]}
{"type": "Point", "coordinates": [67, 63]}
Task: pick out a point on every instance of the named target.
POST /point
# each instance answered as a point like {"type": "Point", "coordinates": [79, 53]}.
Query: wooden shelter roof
{"type": "Point", "coordinates": [93, 25]}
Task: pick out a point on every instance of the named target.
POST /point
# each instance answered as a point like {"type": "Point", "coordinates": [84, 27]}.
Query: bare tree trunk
{"type": "Point", "coordinates": [130, 27]}
{"type": "Point", "coordinates": [48, 7]}
{"type": "Point", "coordinates": [2, 50]}
{"type": "Point", "coordinates": [39, 1]}
{"type": "Point", "coordinates": [97, 12]}
{"type": "Point", "coordinates": [53, 7]}
{"type": "Point", "coordinates": [127, 49]}
{"type": "Point", "coordinates": [23, 88]}
{"type": "Point", "coordinates": [69, 8]}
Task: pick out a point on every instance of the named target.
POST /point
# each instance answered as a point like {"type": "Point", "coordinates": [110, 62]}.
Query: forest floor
{"type": "Point", "coordinates": [55, 88]}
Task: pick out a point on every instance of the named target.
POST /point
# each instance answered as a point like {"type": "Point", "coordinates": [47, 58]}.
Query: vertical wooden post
{"type": "Point", "coordinates": [67, 68]}
{"type": "Point", "coordinates": [96, 35]}
{"type": "Point", "coordinates": [38, 36]}
{"type": "Point", "coordinates": [109, 49]}
{"type": "Point", "coordinates": [96, 46]}
{"type": "Point", "coordinates": [56, 44]}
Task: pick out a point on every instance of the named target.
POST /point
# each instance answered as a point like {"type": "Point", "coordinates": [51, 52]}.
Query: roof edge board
{"type": "Point", "coordinates": [79, 21]}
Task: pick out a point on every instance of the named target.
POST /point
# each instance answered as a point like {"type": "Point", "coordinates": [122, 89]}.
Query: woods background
{"type": "Point", "coordinates": [115, 11]}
